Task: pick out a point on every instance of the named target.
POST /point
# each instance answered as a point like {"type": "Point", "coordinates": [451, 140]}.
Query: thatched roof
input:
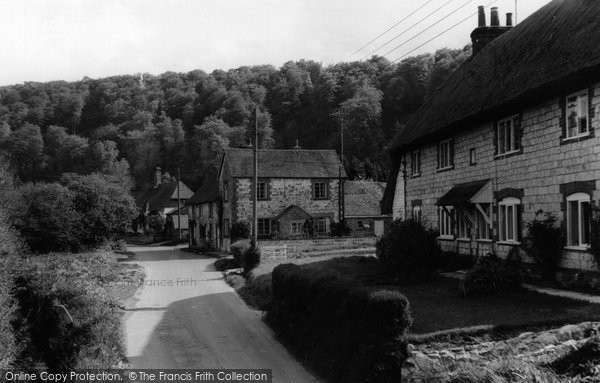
{"type": "Point", "coordinates": [553, 50]}
{"type": "Point", "coordinates": [208, 192]}
{"type": "Point", "coordinates": [283, 163]}
{"type": "Point", "coordinates": [161, 196]}
{"type": "Point", "coordinates": [363, 199]}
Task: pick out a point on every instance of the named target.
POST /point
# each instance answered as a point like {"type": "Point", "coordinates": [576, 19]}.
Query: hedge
{"type": "Point", "coordinates": [346, 331]}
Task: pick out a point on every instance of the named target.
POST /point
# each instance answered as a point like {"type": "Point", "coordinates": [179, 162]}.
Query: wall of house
{"type": "Point", "coordinates": [200, 213]}
{"type": "Point", "coordinates": [543, 166]}
{"type": "Point", "coordinates": [284, 193]}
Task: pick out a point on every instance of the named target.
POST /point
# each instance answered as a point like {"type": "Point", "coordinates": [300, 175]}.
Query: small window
{"type": "Point", "coordinates": [322, 225]}
{"type": "Point", "coordinates": [507, 136]}
{"type": "Point", "coordinates": [483, 228]}
{"type": "Point", "coordinates": [577, 114]}
{"type": "Point", "coordinates": [226, 227]}
{"type": "Point", "coordinates": [360, 225]}
{"type": "Point", "coordinates": [445, 221]}
{"type": "Point", "coordinates": [472, 157]}
{"type": "Point", "coordinates": [578, 219]}
{"type": "Point", "coordinates": [508, 212]}
{"type": "Point", "coordinates": [296, 227]}
{"type": "Point", "coordinates": [225, 192]}
{"type": "Point", "coordinates": [415, 163]}
{"type": "Point", "coordinates": [319, 190]}
{"type": "Point", "coordinates": [445, 155]}
{"type": "Point", "coordinates": [262, 190]}
{"type": "Point", "coordinates": [263, 227]}
{"type": "Point", "coordinates": [416, 213]}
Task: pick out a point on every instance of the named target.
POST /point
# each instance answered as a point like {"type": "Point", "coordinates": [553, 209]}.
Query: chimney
{"type": "Point", "coordinates": [494, 20]}
{"type": "Point", "coordinates": [297, 147]}
{"type": "Point", "coordinates": [485, 34]}
{"type": "Point", "coordinates": [157, 177]}
{"type": "Point", "coordinates": [481, 13]}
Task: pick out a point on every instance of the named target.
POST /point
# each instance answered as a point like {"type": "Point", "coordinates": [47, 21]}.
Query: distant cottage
{"type": "Point", "coordinates": [512, 130]}
{"type": "Point", "coordinates": [362, 208]}
{"type": "Point", "coordinates": [294, 186]}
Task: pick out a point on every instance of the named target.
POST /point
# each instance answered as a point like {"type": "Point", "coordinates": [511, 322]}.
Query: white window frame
{"type": "Point", "coordinates": [322, 190]}
{"type": "Point", "coordinates": [463, 226]}
{"type": "Point", "coordinates": [261, 225]}
{"type": "Point", "coordinates": [445, 225]}
{"type": "Point", "coordinates": [415, 163]}
{"type": "Point", "coordinates": [506, 133]}
{"type": "Point", "coordinates": [582, 108]}
{"type": "Point", "coordinates": [507, 216]}
{"type": "Point", "coordinates": [322, 225]}
{"type": "Point", "coordinates": [444, 155]}
{"type": "Point", "coordinates": [296, 227]}
{"type": "Point", "coordinates": [579, 199]}
{"type": "Point", "coordinates": [484, 232]}
{"type": "Point", "coordinates": [417, 213]}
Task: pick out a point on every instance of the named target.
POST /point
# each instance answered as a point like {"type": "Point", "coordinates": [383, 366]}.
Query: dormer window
{"type": "Point", "coordinates": [577, 115]}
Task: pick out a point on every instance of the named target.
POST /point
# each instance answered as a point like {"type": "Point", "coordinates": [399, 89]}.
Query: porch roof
{"type": "Point", "coordinates": [466, 193]}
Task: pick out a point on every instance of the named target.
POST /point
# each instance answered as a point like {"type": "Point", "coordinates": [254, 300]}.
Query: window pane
{"type": "Point", "coordinates": [573, 223]}
{"type": "Point", "coordinates": [586, 212]}
{"type": "Point", "coordinates": [501, 138]}
{"type": "Point", "coordinates": [582, 113]}
{"type": "Point", "coordinates": [509, 136]}
{"type": "Point", "coordinates": [572, 116]}
{"type": "Point", "coordinates": [510, 211]}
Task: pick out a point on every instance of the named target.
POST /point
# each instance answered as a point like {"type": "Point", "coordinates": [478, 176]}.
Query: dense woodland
{"type": "Point", "coordinates": [124, 126]}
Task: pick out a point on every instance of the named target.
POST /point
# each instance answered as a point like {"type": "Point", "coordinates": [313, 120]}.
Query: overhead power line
{"type": "Point", "coordinates": [439, 34]}
{"type": "Point", "coordinates": [408, 29]}
{"type": "Point", "coordinates": [429, 27]}
{"type": "Point", "coordinates": [387, 30]}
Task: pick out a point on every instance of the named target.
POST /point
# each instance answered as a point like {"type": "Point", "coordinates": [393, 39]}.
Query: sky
{"type": "Point", "coordinates": [46, 40]}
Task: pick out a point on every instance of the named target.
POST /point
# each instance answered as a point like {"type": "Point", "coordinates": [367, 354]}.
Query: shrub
{"type": "Point", "coordinates": [491, 275]}
{"type": "Point", "coordinates": [347, 331]}
{"type": "Point", "coordinates": [240, 230]}
{"type": "Point", "coordinates": [238, 249]}
{"type": "Point", "coordinates": [544, 241]}
{"type": "Point", "coordinates": [251, 258]}
{"type": "Point", "coordinates": [451, 261]}
{"type": "Point", "coordinates": [411, 249]}
{"type": "Point", "coordinates": [339, 229]}
{"type": "Point", "coordinates": [595, 234]}
{"type": "Point", "coordinates": [224, 264]}
{"type": "Point", "coordinates": [156, 223]}
{"type": "Point", "coordinates": [72, 321]}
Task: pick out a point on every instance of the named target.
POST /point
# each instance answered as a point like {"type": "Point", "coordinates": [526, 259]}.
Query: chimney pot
{"type": "Point", "coordinates": [509, 22]}
{"type": "Point", "coordinates": [481, 13]}
{"type": "Point", "coordinates": [494, 20]}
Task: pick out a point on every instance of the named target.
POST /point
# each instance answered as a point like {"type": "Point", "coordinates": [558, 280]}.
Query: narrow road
{"type": "Point", "coordinates": [186, 316]}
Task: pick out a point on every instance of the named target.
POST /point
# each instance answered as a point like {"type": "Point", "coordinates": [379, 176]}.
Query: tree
{"type": "Point", "coordinates": [26, 147]}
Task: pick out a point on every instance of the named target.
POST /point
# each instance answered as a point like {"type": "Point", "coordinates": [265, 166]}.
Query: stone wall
{"type": "Point", "coordinates": [284, 193]}
{"type": "Point", "coordinates": [545, 163]}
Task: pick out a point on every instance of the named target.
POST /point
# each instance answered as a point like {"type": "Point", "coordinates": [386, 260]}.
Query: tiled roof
{"type": "Point", "coordinates": [461, 193]}
{"type": "Point", "coordinates": [160, 196]}
{"type": "Point", "coordinates": [535, 60]}
{"type": "Point", "coordinates": [283, 163]}
{"type": "Point", "coordinates": [208, 192]}
{"type": "Point", "coordinates": [362, 199]}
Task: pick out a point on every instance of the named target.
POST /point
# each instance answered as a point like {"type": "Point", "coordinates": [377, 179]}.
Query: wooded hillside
{"type": "Point", "coordinates": [129, 124]}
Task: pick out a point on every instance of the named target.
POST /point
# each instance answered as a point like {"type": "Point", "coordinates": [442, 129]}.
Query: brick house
{"type": "Point", "coordinates": [294, 186]}
{"type": "Point", "coordinates": [203, 210]}
{"type": "Point", "coordinates": [511, 131]}
{"type": "Point", "coordinates": [362, 208]}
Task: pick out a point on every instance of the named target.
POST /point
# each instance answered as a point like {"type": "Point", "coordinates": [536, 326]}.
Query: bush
{"type": "Point", "coordinates": [595, 234]}
{"type": "Point", "coordinates": [240, 230]}
{"type": "Point", "coordinates": [492, 275]}
{"type": "Point", "coordinates": [238, 249]}
{"type": "Point", "coordinates": [251, 258]}
{"type": "Point", "coordinates": [72, 321]}
{"type": "Point", "coordinates": [451, 261]}
{"type": "Point", "coordinates": [156, 223]}
{"type": "Point", "coordinates": [339, 229]}
{"type": "Point", "coordinates": [544, 242]}
{"type": "Point", "coordinates": [346, 331]}
{"type": "Point", "coordinates": [410, 249]}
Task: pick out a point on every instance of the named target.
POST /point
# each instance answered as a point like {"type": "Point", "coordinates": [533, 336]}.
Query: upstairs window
{"type": "Point", "coordinates": [415, 163]}
{"type": "Point", "coordinates": [508, 212]}
{"type": "Point", "coordinates": [262, 190]}
{"type": "Point", "coordinates": [319, 190]}
{"type": "Point", "coordinates": [577, 114]}
{"type": "Point", "coordinates": [507, 136]}
{"type": "Point", "coordinates": [578, 219]}
{"type": "Point", "coordinates": [445, 154]}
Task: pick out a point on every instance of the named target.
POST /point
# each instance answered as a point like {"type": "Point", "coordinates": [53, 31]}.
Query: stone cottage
{"type": "Point", "coordinates": [294, 186]}
{"type": "Point", "coordinates": [512, 130]}
{"type": "Point", "coordinates": [203, 210]}
{"type": "Point", "coordinates": [362, 208]}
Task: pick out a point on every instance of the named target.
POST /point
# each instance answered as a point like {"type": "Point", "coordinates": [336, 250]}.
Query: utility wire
{"type": "Point", "coordinates": [387, 30]}
{"type": "Point", "coordinates": [429, 27]}
{"type": "Point", "coordinates": [408, 29]}
{"type": "Point", "coordinates": [439, 34]}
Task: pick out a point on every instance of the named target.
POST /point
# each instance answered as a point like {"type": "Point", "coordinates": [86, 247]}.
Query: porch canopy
{"type": "Point", "coordinates": [475, 192]}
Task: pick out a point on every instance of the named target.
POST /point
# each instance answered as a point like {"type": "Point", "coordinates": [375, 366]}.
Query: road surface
{"type": "Point", "coordinates": [186, 316]}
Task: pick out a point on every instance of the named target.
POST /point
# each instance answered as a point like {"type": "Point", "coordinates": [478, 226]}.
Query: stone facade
{"type": "Point", "coordinates": [541, 174]}
{"type": "Point", "coordinates": [204, 228]}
